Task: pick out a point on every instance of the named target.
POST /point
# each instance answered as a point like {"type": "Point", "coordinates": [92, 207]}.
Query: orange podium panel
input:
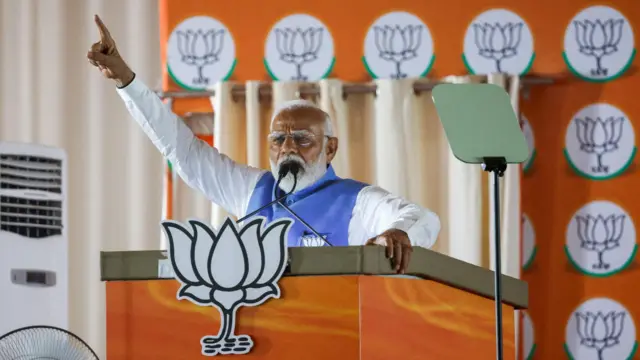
{"type": "Point", "coordinates": [336, 303]}
{"type": "Point", "coordinates": [318, 317]}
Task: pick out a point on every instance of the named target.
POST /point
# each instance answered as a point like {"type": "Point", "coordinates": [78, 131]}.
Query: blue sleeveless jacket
{"type": "Point", "coordinates": [327, 206]}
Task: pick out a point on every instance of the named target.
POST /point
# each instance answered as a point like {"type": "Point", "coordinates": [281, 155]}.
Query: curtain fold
{"type": "Point", "coordinates": [428, 161]}
{"type": "Point", "coordinates": [229, 127]}
{"type": "Point", "coordinates": [390, 153]}
{"type": "Point", "coordinates": [512, 208]}
{"type": "Point", "coordinates": [354, 126]}
{"type": "Point", "coordinates": [509, 195]}
{"type": "Point", "coordinates": [241, 126]}
{"type": "Point", "coordinates": [50, 95]}
{"type": "Point", "coordinates": [510, 219]}
{"type": "Point", "coordinates": [467, 216]}
{"type": "Point", "coordinates": [394, 139]}
{"type": "Point", "coordinates": [332, 101]}
{"type": "Point", "coordinates": [284, 91]}
{"type": "Point", "coordinates": [188, 203]}
{"type": "Point", "coordinates": [254, 123]}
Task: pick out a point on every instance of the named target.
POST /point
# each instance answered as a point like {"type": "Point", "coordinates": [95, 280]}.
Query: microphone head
{"type": "Point", "coordinates": [289, 166]}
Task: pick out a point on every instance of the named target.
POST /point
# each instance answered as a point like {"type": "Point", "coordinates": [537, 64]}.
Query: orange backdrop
{"type": "Point", "coordinates": [551, 192]}
{"type": "Point", "coordinates": [348, 22]}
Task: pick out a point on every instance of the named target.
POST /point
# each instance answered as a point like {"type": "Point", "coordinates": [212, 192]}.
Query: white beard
{"type": "Point", "coordinates": [309, 174]}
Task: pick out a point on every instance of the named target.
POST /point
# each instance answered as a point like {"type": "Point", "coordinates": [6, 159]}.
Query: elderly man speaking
{"type": "Point", "coordinates": [343, 211]}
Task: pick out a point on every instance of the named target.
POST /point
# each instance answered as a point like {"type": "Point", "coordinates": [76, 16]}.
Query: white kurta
{"type": "Point", "coordinates": [230, 184]}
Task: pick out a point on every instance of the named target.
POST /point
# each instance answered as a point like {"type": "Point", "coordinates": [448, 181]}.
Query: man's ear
{"type": "Point", "coordinates": [332, 147]}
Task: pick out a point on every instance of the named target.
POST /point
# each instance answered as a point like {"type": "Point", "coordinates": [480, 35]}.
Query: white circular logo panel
{"type": "Point", "coordinates": [498, 40]}
{"type": "Point", "coordinates": [600, 239]}
{"type": "Point", "coordinates": [600, 329]}
{"type": "Point", "coordinates": [528, 242]}
{"type": "Point", "coordinates": [599, 44]}
{"type": "Point", "coordinates": [600, 142]}
{"type": "Point", "coordinates": [299, 47]}
{"type": "Point", "coordinates": [528, 135]}
{"type": "Point", "coordinates": [528, 336]}
{"type": "Point", "coordinates": [200, 52]}
{"type": "Point", "coordinates": [398, 45]}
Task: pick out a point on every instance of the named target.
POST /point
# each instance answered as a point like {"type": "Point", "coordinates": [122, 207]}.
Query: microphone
{"type": "Point", "coordinates": [284, 169]}
{"type": "Point", "coordinates": [289, 166]}
{"type": "Point", "coordinates": [294, 168]}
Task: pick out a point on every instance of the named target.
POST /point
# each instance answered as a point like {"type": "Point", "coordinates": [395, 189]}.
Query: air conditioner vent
{"type": "Point", "coordinates": [31, 218]}
{"type": "Point", "coordinates": [25, 172]}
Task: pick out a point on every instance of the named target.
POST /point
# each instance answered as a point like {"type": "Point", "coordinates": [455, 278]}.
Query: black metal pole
{"type": "Point", "coordinates": [497, 260]}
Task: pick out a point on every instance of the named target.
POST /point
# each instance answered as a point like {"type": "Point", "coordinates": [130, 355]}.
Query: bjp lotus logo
{"type": "Point", "coordinates": [227, 269]}
{"type": "Point", "coordinates": [200, 52]}
{"type": "Point", "coordinates": [498, 40]}
{"type": "Point", "coordinates": [398, 45]}
{"type": "Point", "coordinates": [600, 234]}
{"type": "Point", "coordinates": [598, 39]}
{"type": "Point", "coordinates": [600, 142]}
{"type": "Point", "coordinates": [199, 48]}
{"type": "Point", "coordinates": [599, 137]}
{"type": "Point", "coordinates": [600, 329]}
{"type": "Point", "coordinates": [601, 239]}
{"type": "Point", "coordinates": [599, 44]}
{"type": "Point", "coordinates": [299, 47]}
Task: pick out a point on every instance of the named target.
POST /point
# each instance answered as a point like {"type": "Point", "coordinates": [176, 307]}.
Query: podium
{"type": "Point", "coordinates": [337, 303]}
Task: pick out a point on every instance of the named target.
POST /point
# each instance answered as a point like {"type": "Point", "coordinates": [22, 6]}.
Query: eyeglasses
{"type": "Point", "coordinates": [302, 139]}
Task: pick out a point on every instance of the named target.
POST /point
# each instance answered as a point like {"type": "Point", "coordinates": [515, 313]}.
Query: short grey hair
{"type": "Point", "coordinates": [293, 104]}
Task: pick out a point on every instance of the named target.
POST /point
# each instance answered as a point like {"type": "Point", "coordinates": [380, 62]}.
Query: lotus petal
{"type": "Point", "coordinates": [255, 258]}
{"type": "Point", "coordinates": [180, 243]}
{"type": "Point", "coordinates": [200, 294]}
{"type": "Point", "coordinates": [258, 295]}
{"type": "Point", "coordinates": [204, 240]}
{"type": "Point", "coordinates": [228, 265]}
{"type": "Point", "coordinates": [274, 245]}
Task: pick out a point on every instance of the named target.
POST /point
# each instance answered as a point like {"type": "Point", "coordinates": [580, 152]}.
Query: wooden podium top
{"type": "Point", "coordinates": [349, 260]}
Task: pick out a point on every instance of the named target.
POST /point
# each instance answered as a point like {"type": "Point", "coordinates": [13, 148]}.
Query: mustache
{"type": "Point", "coordinates": [292, 158]}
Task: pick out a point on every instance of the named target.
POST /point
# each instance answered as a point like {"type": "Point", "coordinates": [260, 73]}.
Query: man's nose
{"type": "Point", "coordinates": [289, 146]}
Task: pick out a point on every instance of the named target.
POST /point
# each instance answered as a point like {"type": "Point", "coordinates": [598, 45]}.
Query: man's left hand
{"type": "Point", "coordinates": [398, 248]}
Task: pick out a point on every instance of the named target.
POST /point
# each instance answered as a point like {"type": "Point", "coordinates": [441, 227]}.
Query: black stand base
{"type": "Point", "coordinates": [497, 166]}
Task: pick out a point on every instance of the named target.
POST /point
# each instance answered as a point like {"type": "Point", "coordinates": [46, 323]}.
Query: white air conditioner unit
{"type": "Point", "coordinates": [34, 287]}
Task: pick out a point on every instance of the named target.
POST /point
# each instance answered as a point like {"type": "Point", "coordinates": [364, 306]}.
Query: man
{"type": "Point", "coordinates": [343, 211]}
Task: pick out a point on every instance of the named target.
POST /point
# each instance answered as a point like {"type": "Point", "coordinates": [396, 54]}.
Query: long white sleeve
{"type": "Point", "coordinates": [201, 166]}
{"type": "Point", "coordinates": [376, 210]}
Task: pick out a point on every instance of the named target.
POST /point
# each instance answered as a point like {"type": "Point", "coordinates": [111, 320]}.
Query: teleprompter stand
{"type": "Point", "coordinates": [482, 128]}
{"type": "Point", "coordinates": [497, 166]}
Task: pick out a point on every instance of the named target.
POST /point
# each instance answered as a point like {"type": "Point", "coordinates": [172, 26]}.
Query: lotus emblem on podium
{"type": "Point", "coordinates": [235, 266]}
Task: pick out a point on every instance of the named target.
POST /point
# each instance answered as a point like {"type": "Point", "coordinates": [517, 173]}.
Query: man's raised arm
{"type": "Point", "coordinates": [201, 166]}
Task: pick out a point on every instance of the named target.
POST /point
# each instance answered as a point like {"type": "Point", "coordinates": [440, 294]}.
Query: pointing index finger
{"type": "Point", "coordinates": [104, 32]}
